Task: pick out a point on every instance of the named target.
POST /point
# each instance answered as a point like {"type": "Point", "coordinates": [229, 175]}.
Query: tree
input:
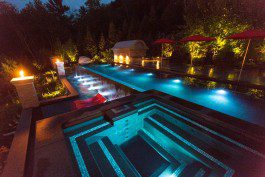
{"type": "Point", "coordinates": [102, 43]}
{"type": "Point", "coordinates": [114, 34]}
{"type": "Point", "coordinates": [70, 51]}
{"type": "Point", "coordinates": [91, 45]}
{"type": "Point", "coordinates": [93, 4]}
{"type": "Point", "coordinates": [56, 7]}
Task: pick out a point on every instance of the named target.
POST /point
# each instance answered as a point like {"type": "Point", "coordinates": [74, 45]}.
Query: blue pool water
{"type": "Point", "coordinates": [225, 101]}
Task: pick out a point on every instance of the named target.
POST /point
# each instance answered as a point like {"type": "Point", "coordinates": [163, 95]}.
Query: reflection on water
{"type": "Point", "coordinates": [211, 72]}
{"type": "Point", "coordinates": [254, 75]}
{"type": "Point", "coordinates": [211, 85]}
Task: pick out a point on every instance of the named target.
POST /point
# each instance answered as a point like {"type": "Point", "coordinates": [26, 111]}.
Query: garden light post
{"type": "Point", "coordinates": [26, 90]}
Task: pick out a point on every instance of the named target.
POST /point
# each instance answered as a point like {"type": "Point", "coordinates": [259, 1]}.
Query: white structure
{"type": "Point", "coordinates": [129, 51]}
{"type": "Point", "coordinates": [60, 68]}
{"type": "Point", "coordinates": [26, 91]}
{"type": "Point", "coordinates": [83, 60]}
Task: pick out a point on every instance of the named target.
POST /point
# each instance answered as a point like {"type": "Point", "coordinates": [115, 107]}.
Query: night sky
{"type": "Point", "coordinates": [74, 4]}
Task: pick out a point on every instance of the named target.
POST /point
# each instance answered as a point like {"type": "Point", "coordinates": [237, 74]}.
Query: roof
{"type": "Point", "coordinates": [133, 44]}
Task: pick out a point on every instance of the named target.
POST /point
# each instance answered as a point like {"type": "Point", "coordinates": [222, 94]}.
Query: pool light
{"type": "Point", "coordinates": [177, 81]}
{"type": "Point", "coordinates": [221, 92]}
{"type": "Point", "coordinates": [77, 77]}
{"type": "Point", "coordinates": [150, 74]}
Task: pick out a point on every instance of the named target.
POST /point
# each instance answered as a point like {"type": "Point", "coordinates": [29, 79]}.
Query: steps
{"type": "Point", "coordinates": [172, 136]}
{"type": "Point", "coordinates": [109, 161]}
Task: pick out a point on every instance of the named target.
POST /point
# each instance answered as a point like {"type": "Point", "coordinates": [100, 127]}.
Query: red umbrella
{"type": "Point", "coordinates": [247, 35]}
{"type": "Point", "coordinates": [164, 41]}
{"type": "Point", "coordinates": [197, 38]}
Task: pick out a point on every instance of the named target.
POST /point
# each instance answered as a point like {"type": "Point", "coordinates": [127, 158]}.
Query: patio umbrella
{"type": "Point", "coordinates": [197, 38]}
{"type": "Point", "coordinates": [164, 41]}
{"type": "Point", "coordinates": [247, 35]}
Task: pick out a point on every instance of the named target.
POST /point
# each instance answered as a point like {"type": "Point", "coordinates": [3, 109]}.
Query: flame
{"type": "Point", "coordinates": [21, 73]}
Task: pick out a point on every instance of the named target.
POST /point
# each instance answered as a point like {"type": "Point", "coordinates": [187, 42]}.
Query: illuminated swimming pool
{"type": "Point", "coordinates": [225, 101]}
{"type": "Point", "coordinates": [151, 138]}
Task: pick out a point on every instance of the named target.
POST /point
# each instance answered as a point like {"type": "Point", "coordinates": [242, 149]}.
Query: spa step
{"type": "Point", "coordinates": [195, 169]}
{"type": "Point", "coordinates": [71, 131]}
{"type": "Point", "coordinates": [218, 154]}
{"type": "Point", "coordinates": [101, 159]}
{"type": "Point", "coordinates": [225, 148]}
{"type": "Point", "coordinates": [176, 167]}
{"type": "Point", "coordinates": [127, 160]}
{"type": "Point", "coordinates": [126, 167]}
{"type": "Point", "coordinates": [89, 161]}
{"type": "Point", "coordinates": [145, 135]}
{"type": "Point", "coordinates": [164, 134]}
{"type": "Point", "coordinates": [87, 157]}
{"type": "Point", "coordinates": [109, 160]}
{"type": "Point", "coordinates": [184, 165]}
{"type": "Point", "coordinates": [173, 170]}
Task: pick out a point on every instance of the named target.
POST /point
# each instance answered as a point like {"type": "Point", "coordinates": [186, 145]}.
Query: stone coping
{"type": "Point", "coordinates": [73, 93]}
{"type": "Point", "coordinates": [17, 156]}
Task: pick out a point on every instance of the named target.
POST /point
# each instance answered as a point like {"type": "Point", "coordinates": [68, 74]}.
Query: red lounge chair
{"type": "Point", "coordinates": [98, 99]}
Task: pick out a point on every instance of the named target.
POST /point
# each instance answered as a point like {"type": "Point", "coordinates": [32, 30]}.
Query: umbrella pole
{"type": "Point", "coordinates": [162, 55]}
{"type": "Point", "coordinates": [243, 62]}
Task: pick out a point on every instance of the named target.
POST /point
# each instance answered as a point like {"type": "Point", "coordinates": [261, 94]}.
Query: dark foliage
{"type": "Point", "coordinates": [33, 32]}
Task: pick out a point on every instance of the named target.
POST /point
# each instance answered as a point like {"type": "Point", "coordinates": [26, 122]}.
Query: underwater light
{"type": "Point", "coordinates": [107, 93]}
{"type": "Point", "coordinates": [131, 69]}
{"type": "Point", "coordinates": [177, 81]}
{"type": "Point", "coordinates": [96, 87]}
{"type": "Point", "coordinates": [221, 92]}
{"type": "Point", "coordinates": [149, 74]}
{"type": "Point", "coordinates": [77, 77]}
{"type": "Point", "coordinates": [91, 83]}
{"type": "Point", "coordinates": [85, 79]}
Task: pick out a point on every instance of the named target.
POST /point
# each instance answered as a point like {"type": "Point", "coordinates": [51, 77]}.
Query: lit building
{"type": "Point", "coordinates": [129, 51]}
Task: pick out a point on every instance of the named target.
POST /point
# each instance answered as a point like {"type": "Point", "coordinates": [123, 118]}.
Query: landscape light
{"type": "Point", "coordinates": [127, 60]}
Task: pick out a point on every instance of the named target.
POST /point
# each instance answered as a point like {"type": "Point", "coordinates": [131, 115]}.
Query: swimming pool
{"type": "Point", "coordinates": [151, 138]}
{"type": "Point", "coordinates": [225, 101]}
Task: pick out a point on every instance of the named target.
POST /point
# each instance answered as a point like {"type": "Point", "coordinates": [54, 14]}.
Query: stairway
{"type": "Point", "coordinates": [169, 135]}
